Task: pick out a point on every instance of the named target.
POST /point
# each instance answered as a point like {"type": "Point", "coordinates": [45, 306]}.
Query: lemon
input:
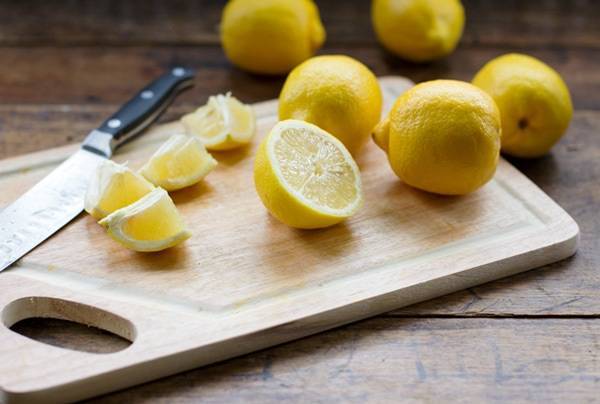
{"type": "Point", "coordinates": [418, 30]}
{"type": "Point", "coordinates": [112, 187]}
{"type": "Point", "coordinates": [180, 162]}
{"type": "Point", "coordinates": [442, 136]}
{"type": "Point", "coordinates": [534, 102]}
{"type": "Point", "coordinates": [338, 94]}
{"type": "Point", "coordinates": [150, 224]}
{"type": "Point", "coordinates": [224, 123]}
{"type": "Point", "coordinates": [305, 177]}
{"type": "Point", "coordinates": [270, 36]}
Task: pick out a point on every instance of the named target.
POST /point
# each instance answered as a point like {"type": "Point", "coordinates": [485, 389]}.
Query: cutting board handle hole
{"type": "Point", "coordinates": [68, 324]}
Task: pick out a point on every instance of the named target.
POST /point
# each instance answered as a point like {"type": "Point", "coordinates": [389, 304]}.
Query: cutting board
{"type": "Point", "coordinates": [244, 281]}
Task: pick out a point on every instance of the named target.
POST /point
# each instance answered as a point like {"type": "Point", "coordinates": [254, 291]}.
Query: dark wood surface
{"type": "Point", "coordinates": [64, 66]}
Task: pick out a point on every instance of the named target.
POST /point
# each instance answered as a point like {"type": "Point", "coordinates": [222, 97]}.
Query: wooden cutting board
{"type": "Point", "coordinates": [244, 281]}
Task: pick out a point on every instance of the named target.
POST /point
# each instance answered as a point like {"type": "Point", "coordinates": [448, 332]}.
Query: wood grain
{"type": "Point", "coordinates": [30, 128]}
{"type": "Point", "coordinates": [60, 333]}
{"type": "Point", "coordinates": [245, 276]}
{"type": "Point", "coordinates": [411, 360]}
{"type": "Point", "coordinates": [64, 77]}
{"type": "Point", "coordinates": [155, 22]}
{"type": "Point", "coordinates": [58, 68]}
{"type": "Point", "coordinates": [566, 288]}
{"type": "Point", "coordinates": [570, 175]}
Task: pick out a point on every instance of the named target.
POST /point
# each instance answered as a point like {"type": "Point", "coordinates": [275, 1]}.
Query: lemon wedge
{"type": "Point", "coordinates": [224, 123]}
{"type": "Point", "coordinates": [306, 177]}
{"type": "Point", "coordinates": [112, 187]}
{"type": "Point", "coordinates": [180, 162]}
{"type": "Point", "coordinates": [150, 224]}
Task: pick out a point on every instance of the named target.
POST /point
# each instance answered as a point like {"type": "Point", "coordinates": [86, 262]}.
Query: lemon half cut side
{"type": "Point", "coordinates": [224, 123]}
{"type": "Point", "coordinates": [150, 224]}
{"type": "Point", "coordinates": [305, 176]}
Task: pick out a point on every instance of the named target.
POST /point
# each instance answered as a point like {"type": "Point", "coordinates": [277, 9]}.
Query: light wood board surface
{"type": "Point", "coordinates": [244, 281]}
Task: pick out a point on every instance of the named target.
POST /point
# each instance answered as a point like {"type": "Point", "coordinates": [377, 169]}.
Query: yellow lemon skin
{"type": "Point", "coordinates": [418, 30]}
{"type": "Point", "coordinates": [282, 203]}
{"type": "Point", "coordinates": [338, 94]}
{"type": "Point", "coordinates": [270, 36]}
{"type": "Point", "coordinates": [534, 102]}
{"type": "Point", "coordinates": [442, 136]}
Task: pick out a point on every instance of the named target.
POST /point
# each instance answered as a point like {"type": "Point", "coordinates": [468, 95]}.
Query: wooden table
{"type": "Point", "coordinates": [533, 337]}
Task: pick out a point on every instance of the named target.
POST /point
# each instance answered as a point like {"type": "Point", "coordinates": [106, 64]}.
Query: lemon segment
{"type": "Point", "coordinates": [180, 162]}
{"type": "Point", "coordinates": [224, 123]}
{"type": "Point", "coordinates": [150, 224]}
{"type": "Point", "coordinates": [305, 177]}
{"type": "Point", "coordinates": [112, 187]}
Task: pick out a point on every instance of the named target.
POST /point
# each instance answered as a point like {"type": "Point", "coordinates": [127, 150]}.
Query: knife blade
{"type": "Point", "coordinates": [58, 198]}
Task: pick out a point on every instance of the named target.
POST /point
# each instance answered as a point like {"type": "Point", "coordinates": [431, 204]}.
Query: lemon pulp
{"type": "Point", "coordinates": [315, 169]}
{"type": "Point", "coordinates": [150, 224]}
{"type": "Point", "coordinates": [224, 123]}
{"type": "Point", "coordinates": [180, 162]}
{"type": "Point", "coordinates": [305, 177]}
{"type": "Point", "coordinates": [112, 187]}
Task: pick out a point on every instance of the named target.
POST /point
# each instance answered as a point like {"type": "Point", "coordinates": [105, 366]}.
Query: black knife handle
{"type": "Point", "coordinates": [147, 105]}
{"type": "Point", "coordinates": [139, 112]}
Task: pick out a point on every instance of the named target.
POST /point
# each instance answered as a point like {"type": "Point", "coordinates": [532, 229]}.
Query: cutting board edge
{"type": "Point", "coordinates": [564, 247]}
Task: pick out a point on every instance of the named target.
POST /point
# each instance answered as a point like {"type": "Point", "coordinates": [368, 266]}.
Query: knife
{"type": "Point", "coordinates": [58, 198]}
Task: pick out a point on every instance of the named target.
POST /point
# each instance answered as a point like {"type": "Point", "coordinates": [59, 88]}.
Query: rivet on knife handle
{"type": "Point", "coordinates": [139, 112]}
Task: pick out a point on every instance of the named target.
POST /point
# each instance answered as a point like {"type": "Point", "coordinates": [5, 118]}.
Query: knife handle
{"type": "Point", "coordinates": [139, 112]}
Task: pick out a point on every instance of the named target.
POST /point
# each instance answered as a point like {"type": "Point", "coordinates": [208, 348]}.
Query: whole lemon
{"type": "Point", "coordinates": [442, 136]}
{"type": "Point", "coordinates": [534, 102]}
{"type": "Point", "coordinates": [337, 93]}
{"type": "Point", "coordinates": [418, 30]}
{"type": "Point", "coordinates": [270, 36]}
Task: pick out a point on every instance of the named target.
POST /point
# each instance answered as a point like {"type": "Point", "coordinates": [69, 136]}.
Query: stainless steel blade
{"type": "Point", "coordinates": [45, 208]}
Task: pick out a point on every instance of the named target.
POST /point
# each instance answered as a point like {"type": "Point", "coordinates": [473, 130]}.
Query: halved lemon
{"type": "Point", "coordinates": [150, 224]}
{"type": "Point", "coordinates": [112, 187]}
{"type": "Point", "coordinates": [306, 177]}
{"type": "Point", "coordinates": [180, 162]}
{"type": "Point", "coordinates": [224, 123]}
